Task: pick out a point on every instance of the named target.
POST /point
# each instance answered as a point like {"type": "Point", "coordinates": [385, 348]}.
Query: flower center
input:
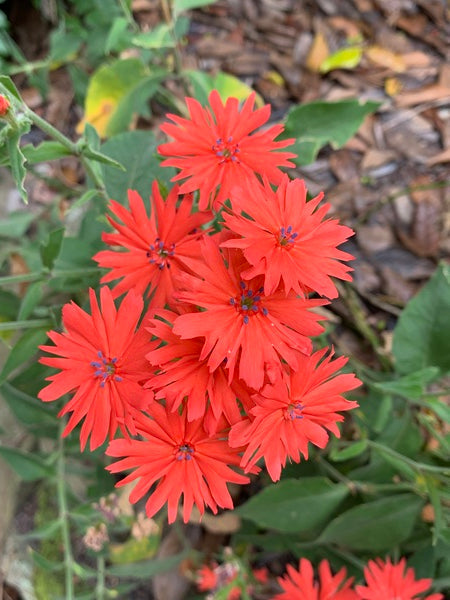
{"type": "Point", "coordinates": [247, 303]}
{"type": "Point", "coordinates": [184, 452]}
{"type": "Point", "coordinates": [159, 254]}
{"type": "Point", "coordinates": [293, 411]}
{"type": "Point", "coordinates": [105, 369]}
{"type": "Point", "coordinates": [286, 237]}
{"type": "Point", "coordinates": [226, 151]}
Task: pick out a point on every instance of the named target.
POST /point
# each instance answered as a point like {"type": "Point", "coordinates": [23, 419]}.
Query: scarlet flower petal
{"type": "Point", "coordinates": [285, 238]}
{"type": "Point", "coordinates": [182, 459]}
{"type": "Point", "coordinates": [387, 580]}
{"type": "Point", "coordinates": [301, 585]}
{"type": "Point", "coordinates": [215, 148]}
{"type": "Point", "coordinates": [156, 248]}
{"type": "Point", "coordinates": [101, 359]}
{"type": "Point", "coordinates": [296, 409]}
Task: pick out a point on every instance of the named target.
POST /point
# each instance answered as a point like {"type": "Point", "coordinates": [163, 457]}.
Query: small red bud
{"type": "Point", "coordinates": [4, 105]}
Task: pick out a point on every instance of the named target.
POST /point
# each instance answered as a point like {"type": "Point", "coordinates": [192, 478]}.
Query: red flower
{"type": "Point", "coordinates": [295, 410]}
{"type": "Point", "coordinates": [103, 359]}
{"type": "Point", "coordinates": [206, 578]}
{"type": "Point", "coordinates": [300, 585]}
{"type": "Point", "coordinates": [388, 581]}
{"type": "Point", "coordinates": [4, 105]}
{"type": "Point", "coordinates": [214, 147]}
{"type": "Point", "coordinates": [240, 323]}
{"type": "Point", "coordinates": [285, 237]}
{"type": "Point", "coordinates": [158, 247]}
{"type": "Point", "coordinates": [182, 458]}
{"type": "Point", "coordinates": [182, 376]}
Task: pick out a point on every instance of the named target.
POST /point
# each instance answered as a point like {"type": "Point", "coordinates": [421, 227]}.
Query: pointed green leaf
{"type": "Point", "coordinates": [376, 526]}
{"type": "Point", "coordinates": [29, 410]}
{"type": "Point", "coordinates": [50, 250]}
{"type": "Point", "coordinates": [28, 466]}
{"type": "Point", "coordinates": [24, 349]}
{"type": "Point", "coordinates": [319, 123]}
{"type": "Point", "coordinates": [286, 506]}
{"type": "Point", "coordinates": [17, 162]}
{"type": "Point", "coordinates": [421, 336]}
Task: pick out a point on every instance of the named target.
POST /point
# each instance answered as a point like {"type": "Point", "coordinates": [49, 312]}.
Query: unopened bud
{"type": "Point", "coordinates": [96, 537]}
{"type": "Point", "coordinates": [4, 105]}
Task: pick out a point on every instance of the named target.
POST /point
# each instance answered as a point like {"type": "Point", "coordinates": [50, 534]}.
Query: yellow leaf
{"type": "Point", "coordinates": [386, 58]}
{"type": "Point", "coordinates": [318, 52]}
{"type": "Point", "coordinates": [111, 88]}
{"type": "Point", "coordinates": [392, 86]}
{"type": "Point", "coordinates": [345, 58]}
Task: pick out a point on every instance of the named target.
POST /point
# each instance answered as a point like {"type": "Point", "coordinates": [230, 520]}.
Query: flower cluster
{"type": "Point", "coordinates": [383, 581]}
{"type": "Point", "coordinates": [219, 371]}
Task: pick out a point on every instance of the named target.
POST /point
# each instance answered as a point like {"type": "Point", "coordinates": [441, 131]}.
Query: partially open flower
{"type": "Point", "coordinates": [4, 105]}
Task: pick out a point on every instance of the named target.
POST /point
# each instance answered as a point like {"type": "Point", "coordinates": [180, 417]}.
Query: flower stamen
{"type": "Point", "coordinates": [105, 368]}
{"type": "Point", "coordinates": [247, 303]}
{"type": "Point", "coordinates": [226, 151]}
{"type": "Point", "coordinates": [159, 254]}
{"type": "Point", "coordinates": [184, 452]}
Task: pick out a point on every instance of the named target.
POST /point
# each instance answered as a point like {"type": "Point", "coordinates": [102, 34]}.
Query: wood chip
{"type": "Point", "coordinates": [427, 94]}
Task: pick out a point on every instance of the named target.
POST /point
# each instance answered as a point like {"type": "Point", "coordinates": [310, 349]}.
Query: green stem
{"type": "Point", "coordinates": [100, 587]}
{"type": "Point", "coordinates": [419, 466]}
{"type": "Point", "coordinates": [353, 303]}
{"type": "Point", "coordinates": [31, 324]}
{"type": "Point", "coordinates": [38, 275]}
{"type": "Point", "coordinates": [168, 17]}
{"type": "Point", "coordinates": [51, 131]}
{"type": "Point", "coordinates": [64, 516]}
{"type": "Point", "coordinates": [128, 15]}
{"type": "Point", "coordinates": [12, 279]}
{"type": "Point", "coordinates": [71, 147]}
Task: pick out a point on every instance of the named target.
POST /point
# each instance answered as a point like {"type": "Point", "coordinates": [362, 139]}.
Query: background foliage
{"type": "Point", "coordinates": [381, 489]}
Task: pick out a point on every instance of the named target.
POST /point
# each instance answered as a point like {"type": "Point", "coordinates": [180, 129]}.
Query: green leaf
{"type": "Point", "coordinates": [319, 123]}
{"type": "Point", "coordinates": [102, 158]}
{"type": "Point", "coordinates": [24, 349]}
{"type": "Point", "coordinates": [135, 102]}
{"type": "Point", "coordinates": [28, 466]}
{"type": "Point", "coordinates": [32, 298]}
{"type": "Point", "coordinates": [16, 224]}
{"type": "Point", "coordinates": [17, 162]}
{"type": "Point", "coordinates": [401, 466]}
{"type": "Point", "coordinates": [45, 564]}
{"type": "Point", "coordinates": [375, 526]}
{"type": "Point", "coordinates": [355, 449]}
{"type": "Point", "coordinates": [227, 85]}
{"type": "Point", "coordinates": [84, 198]}
{"type": "Point", "coordinates": [45, 151]}
{"type": "Point", "coordinates": [345, 58]}
{"type": "Point", "coordinates": [286, 506]}
{"type": "Point", "coordinates": [64, 46]}
{"type": "Point", "coordinates": [180, 6]}
{"type": "Point", "coordinates": [42, 533]}
{"type": "Point", "coordinates": [410, 386]}
{"type": "Point", "coordinates": [156, 39]}
{"type": "Point", "coordinates": [117, 34]}
{"type": "Point", "coordinates": [421, 337]}
{"type": "Point", "coordinates": [50, 250]}
{"type": "Point", "coordinates": [148, 568]}
{"type": "Point", "coordinates": [8, 84]}
{"type": "Point", "coordinates": [439, 523]}
{"type": "Point", "coordinates": [29, 410]}
{"type": "Point", "coordinates": [136, 151]}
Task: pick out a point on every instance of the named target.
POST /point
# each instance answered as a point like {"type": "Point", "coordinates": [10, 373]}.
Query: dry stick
{"type": "Point", "coordinates": [353, 303]}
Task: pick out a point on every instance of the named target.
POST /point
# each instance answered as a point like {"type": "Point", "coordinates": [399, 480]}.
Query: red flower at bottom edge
{"type": "Point", "coordinates": [386, 581]}
{"type": "Point", "coordinates": [300, 585]}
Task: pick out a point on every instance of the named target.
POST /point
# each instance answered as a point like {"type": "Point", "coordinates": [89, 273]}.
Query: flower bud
{"type": "Point", "coordinates": [4, 105]}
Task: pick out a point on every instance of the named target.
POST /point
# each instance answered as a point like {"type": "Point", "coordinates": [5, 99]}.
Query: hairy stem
{"type": "Point", "coordinates": [64, 517]}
